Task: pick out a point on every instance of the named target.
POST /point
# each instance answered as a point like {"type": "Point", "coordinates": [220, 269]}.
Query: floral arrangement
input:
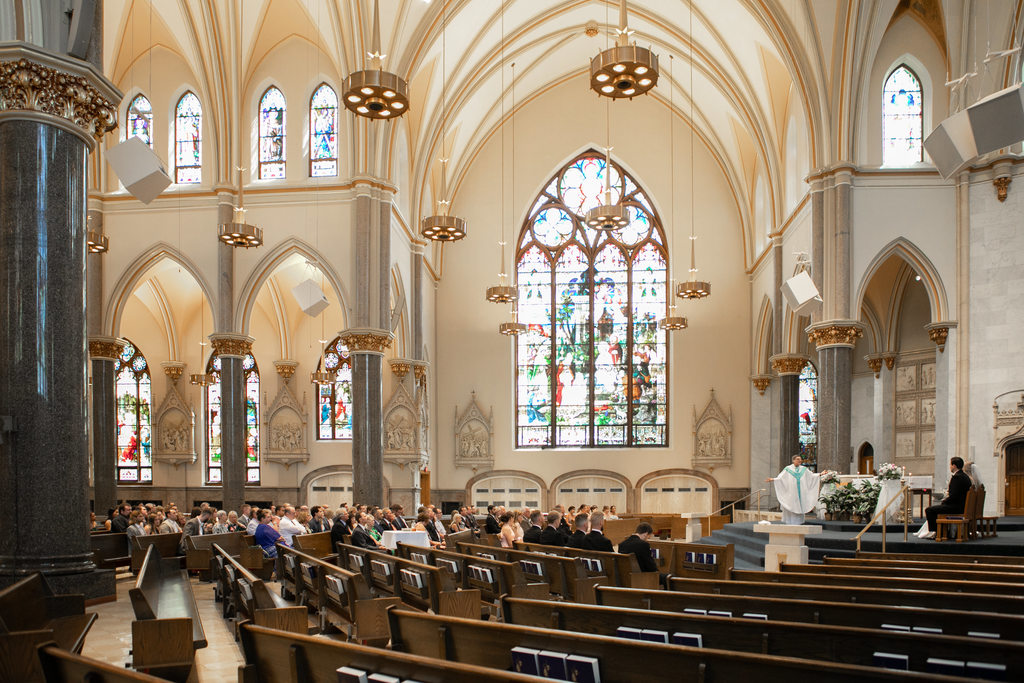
{"type": "Point", "coordinates": [829, 477]}
{"type": "Point", "coordinates": [889, 472]}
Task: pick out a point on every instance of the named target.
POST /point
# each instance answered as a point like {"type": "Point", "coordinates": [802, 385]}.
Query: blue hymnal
{"type": "Point", "coordinates": [629, 632]}
{"type": "Point", "coordinates": [524, 660]}
{"type": "Point", "coordinates": [989, 672]}
{"type": "Point", "coordinates": [688, 639]}
{"type": "Point", "coordinates": [383, 678]}
{"type": "Point", "coordinates": [689, 556]}
{"type": "Point", "coordinates": [347, 674]}
{"type": "Point", "coordinates": [553, 665]}
{"type": "Point", "coordinates": [583, 669]}
{"type": "Point", "coordinates": [654, 636]}
{"type": "Point", "coordinates": [888, 660]}
{"type": "Point", "coordinates": [950, 667]}
{"type": "Point", "coordinates": [701, 558]}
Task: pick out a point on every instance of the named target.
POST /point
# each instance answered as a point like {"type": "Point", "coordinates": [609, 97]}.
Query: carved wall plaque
{"type": "Point", "coordinates": [474, 434]}
{"type": "Point", "coordinates": [712, 434]}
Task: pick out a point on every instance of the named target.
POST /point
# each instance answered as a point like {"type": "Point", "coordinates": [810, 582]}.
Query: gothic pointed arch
{"type": "Point", "coordinates": [922, 265]}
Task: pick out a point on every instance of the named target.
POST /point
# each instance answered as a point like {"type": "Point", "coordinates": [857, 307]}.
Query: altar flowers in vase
{"type": "Point", "coordinates": [890, 477]}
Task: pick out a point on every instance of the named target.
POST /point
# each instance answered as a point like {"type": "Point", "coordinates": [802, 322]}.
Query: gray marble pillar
{"type": "Point", "coordinates": [788, 366]}
{"type": "Point", "coordinates": [232, 350]}
{"type": "Point", "coordinates": [834, 365]}
{"type": "Point", "coordinates": [367, 349]}
{"type": "Point", "coordinates": [104, 352]}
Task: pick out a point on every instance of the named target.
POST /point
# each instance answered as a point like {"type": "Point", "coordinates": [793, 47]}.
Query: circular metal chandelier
{"type": "Point", "coordinates": [502, 294]}
{"type": "Point", "coordinates": [202, 380]}
{"type": "Point", "coordinates": [693, 288]}
{"type": "Point", "coordinates": [607, 216]}
{"type": "Point", "coordinates": [96, 243]}
{"type": "Point", "coordinates": [374, 93]}
{"type": "Point", "coordinates": [512, 329]}
{"type": "Point", "coordinates": [673, 322]}
{"type": "Point", "coordinates": [624, 70]}
{"type": "Point", "coordinates": [443, 228]}
{"type": "Point", "coordinates": [323, 378]}
{"type": "Point", "coordinates": [238, 233]}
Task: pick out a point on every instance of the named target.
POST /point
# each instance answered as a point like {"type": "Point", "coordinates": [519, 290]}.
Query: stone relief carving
{"type": "Point", "coordinates": [174, 420]}
{"type": "Point", "coordinates": [712, 434]}
{"type": "Point", "coordinates": [474, 432]}
{"type": "Point", "coordinates": [286, 426]}
{"type": "Point", "coordinates": [906, 378]}
{"type": "Point", "coordinates": [906, 444]}
{"type": "Point", "coordinates": [405, 429]}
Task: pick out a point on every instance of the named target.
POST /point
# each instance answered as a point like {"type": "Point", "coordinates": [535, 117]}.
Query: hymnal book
{"type": "Point", "coordinates": [553, 665]}
{"type": "Point", "coordinates": [411, 578]}
{"type": "Point", "coordinates": [451, 565]}
{"type": "Point", "coordinates": [310, 570]}
{"type": "Point", "coordinates": [486, 556]}
{"type": "Point", "coordinates": [230, 571]}
{"type": "Point", "coordinates": [486, 575]}
{"type": "Point", "coordinates": [419, 557]}
{"type": "Point", "coordinates": [335, 584]}
{"type": "Point", "coordinates": [655, 553]}
{"type": "Point", "coordinates": [347, 674]}
{"type": "Point", "coordinates": [755, 615]}
{"type": "Point", "coordinates": [719, 613]}
{"type": "Point", "coordinates": [926, 629]}
{"type": "Point", "coordinates": [688, 639]}
{"type": "Point", "coordinates": [356, 561]}
{"type": "Point", "coordinates": [699, 558]}
{"type": "Point", "coordinates": [291, 560]}
{"type": "Point", "coordinates": [694, 610]}
{"type": "Point", "coordinates": [596, 566]}
{"type": "Point", "coordinates": [383, 678]}
{"type": "Point", "coordinates": [950, 667]}
{"type": "Point", "coordinates": [524, 660]}
{"type": "Point", "coordinates": [654, 636]}
{"type": "Point", "coordinates": [583, 669]}
{"type": "Point", "coordinates": [246, 590]}
{"type": "Point", "coordinates": [629, 632]}
{"type": "Point", "coordinates": [982, 634]}
{"type": "Point", "coordinates": [889, 660]}
{"type": "Point", "coordinates": [987, 671]}
{"type": "Point", "coordinates": [895, 627]}
{"type": "Point", "coordinates": [378, 567]}
{"type": "Point", "coordinates": [690, 556]}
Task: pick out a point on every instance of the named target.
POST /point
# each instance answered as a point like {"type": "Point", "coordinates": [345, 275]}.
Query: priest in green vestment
{"type": "Point", "coordinates": [796, 487]}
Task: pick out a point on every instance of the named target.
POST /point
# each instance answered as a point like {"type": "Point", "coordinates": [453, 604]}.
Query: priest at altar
{"type": "Point", "coordinates": [796, 487]}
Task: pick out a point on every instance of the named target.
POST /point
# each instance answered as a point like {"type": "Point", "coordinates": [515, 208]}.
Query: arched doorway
{"type": "Point", "coordinates": [1015, 478]}
{"type": "Point", "coordinates": [866, 459]}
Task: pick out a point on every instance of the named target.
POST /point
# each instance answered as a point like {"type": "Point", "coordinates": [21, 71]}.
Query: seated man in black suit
{"type": "Point", "coordinates": [579, 536]}
{"type": "Point", "coordinates": [952, 504]}
{"type": "Point", "coordinates": [341, 527]}
{"type": "Point", "coordinates": [532, 534]}
{"type": "Point", "coordinates": [361, 538]}
{"type": "Point", "coordinates": [595, 540]}
{"type": "Point", "coordinates": [552, 534]}
{"type": "Point", "coordinates": [491, 524]}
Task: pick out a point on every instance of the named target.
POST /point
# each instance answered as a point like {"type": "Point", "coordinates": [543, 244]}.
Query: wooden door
{"type": "Point", "coordinates": [424, 487]}
{"type": "Point", "coordinates": [1015, 478]}
{"type": "Point", "coordinates": [866, 460]}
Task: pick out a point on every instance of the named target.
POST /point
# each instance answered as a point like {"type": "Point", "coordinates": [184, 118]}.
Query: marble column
{"type": "Point", "coordinates": [884, 439]}
{"type": "Point", "coordinates": [835, 340]}
{"type": "Point", "coordinates": [51, 110]}
{"type": "Point", "coordinates": [367, 346]}
{"type": "Point", "coordinates": [944, 336]}
{"type": "Point", "coordinates": [788, 366]}
{"type": "Point", "coordinates": [232, 350]}
{"type": "Point", "coordinates": [103, 353]}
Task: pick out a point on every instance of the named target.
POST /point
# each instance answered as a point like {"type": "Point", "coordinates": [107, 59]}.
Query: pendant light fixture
{"type": "Point", "coordinates": [693, 288]}
{"type": "Point", "coordinates": [204, 379]}
{"type": "Point", "coordinates": [672, 321]}
{"type": "Point", "coordinates": [624, 70]}
{"type": "Point", "coordinates": [238, 233]}
{"type": "Point", "coordinates": [374, 93]}
{"type": "Point", "coordinates": [95, 241]}
{"type": "Point", "coordinates": [511, 329]}
{"type": "Point", "coordinates": [607, 216]}
{"type": "Point", "coordinates": [442, 227]}
{"type": "Point", "coordinates": [503, 293]}
{"type": "Point", "coordinates": [323, 377]}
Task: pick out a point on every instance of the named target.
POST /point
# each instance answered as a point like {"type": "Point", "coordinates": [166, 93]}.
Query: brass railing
{"type": "Point", "coordinates": [905, 492]}
{"type": "Point", "coordinates": [733, 504]}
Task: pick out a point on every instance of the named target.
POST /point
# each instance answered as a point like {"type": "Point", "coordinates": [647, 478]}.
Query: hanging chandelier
{"type": "Point", "coordinates": [512, 329]}
{"type": "Point", "coordinates": [607, 216]}
{"type": "Point", "coordinates": [96, 243]}
{"type": "Point", "coordinates": [202, 380]}
{"type": "Point", "coordinates": [322, 378]}
{"type": "Point", "coordinates": [374, 93]}
{"type": "Point", "coordinates": [238, 233]}
{"type": "Point", "coordinates": [672, 321]}
{"type": "Point", "coordinates": [503, 293]}
{"type": "Point", "coordinates": [624, 70]}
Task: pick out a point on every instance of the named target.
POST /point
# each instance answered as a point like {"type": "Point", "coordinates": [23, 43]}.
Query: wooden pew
{"type": "Point", "coordinates": [343, 600]}
{"type": "Point", "coordinates": [836, 613]}
{"type": "Point", "coordinates": [889, 595]}
{"type": "Point", "coordinates": [250, 598]}
{"type": "Point", "coordinates": [167, 629]}
{"type": "Point", "coordinates": [681, 559]}
{"type": "Point", "coordinates": [938, 563]}
{"type": "Point", "coordinates": [665, 526]}
{"type": "Point", "coordinates": [276, 657]}
{"type": "Point", "coordinates": [567, 576]}
{"type": "Point", "coordinates": [620, 659]}
{"type": "Point", "coordinates": [166, 544]}
{"type": "Point", "coordinates": [30, 614]}
{"type": "Point", "coordinates": [935, 586]}
{"type": "Point", "coordinates": [971, 573]}
{"type": "Point", "coordinates": [61, 666]}
{"type": "Point", "coordinates": [944, 557]}
{"type": "Point", "coordinates": [199, 552]}
{"type": "Point", "coordinates": [317, 545]}
{"type": "Point", "coordinates": [422, 586]}
{"type": "Point", "coordinates": [619, 569]}
{"type": "Point", "coordinates": [843, 644]}
{"type": "Point", "coordinates": [110, 551]}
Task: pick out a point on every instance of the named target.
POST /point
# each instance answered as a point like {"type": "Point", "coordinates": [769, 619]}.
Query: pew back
{"type": "Point", "coordinates": [166, 544]}
{"type": "Point", "coordinates": [110, 551]}
{"type": "Point", "coordinates": [317, 545]}
{"type": "Point", "coordinates": [567, 576]}
{"type": "Point", "coordinates": [60, 666]}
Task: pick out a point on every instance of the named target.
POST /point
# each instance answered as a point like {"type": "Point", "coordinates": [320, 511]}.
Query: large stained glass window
{"type": "Point", "coordinates": [251, 375]}
{"type": "Point", "coordinates": [902, 119]}
{"type": "Point", "coordinates": [592, 365]}
{"type": "Point", "coordinates": [807, 415]}
{"type": "Point", "coordinates": [323, 132]}
{"type": "Point", "coordinates": [272, 119]}
{"type": "Point", "coordinates": [134, 415]}
{"type": "Point", "coordinates": [140, 119]}
{"type": "Point", "coordinates": [334, 401]}
{"type": "Point", "coordinates": [188, 139]}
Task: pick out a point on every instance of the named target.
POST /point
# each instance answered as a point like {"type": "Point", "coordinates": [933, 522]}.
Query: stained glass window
{"type": "Point", "coordinates": [334, 401]}
{"type": "Point", "coordinates": [134, 414]}
{"type": "Point", "coordinates": [592, 364]}
{"type": "Point", "coordinates": [188, 139]}
{"type": "Point", "coordinates": [902, 119]}
{"type": "Point", "coordinates": [323, 132]}
{"type": "Point", "coordinates": [807, 416]}
{"type": "Point", "coordinates": [272, 120]}
{"type": "Point", "coordinates": [251, 375]}
{"type": "Point", "coordinates": [140, 119]}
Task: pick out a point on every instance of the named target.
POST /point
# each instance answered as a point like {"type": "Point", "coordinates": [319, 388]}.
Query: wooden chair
{"type": "Point", "coordinates": [986, 524]}
{"type": "Point", "coordinates": [962, 522]}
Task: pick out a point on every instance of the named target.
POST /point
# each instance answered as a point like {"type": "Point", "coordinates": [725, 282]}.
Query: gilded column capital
{"type": "Point", "coordinates": [890, 360]}
{"type": "Point", "coordinates": [419, 370]}
{"type": "Point", "coordinates": [835, 333]}
{"type": "Point", "coordinates": [107, 348]}
{"type": "Point", "coordinates": [286, 367]}
{"type": "Point", "coordinates": [65, 92]}
{"type": "Point", "coordinates": [874, 361]}
{"type": "Point", "coordinates": [788, 363]}
{"type": "Point", "coordinates": [939, 332]}
{"type": "Point", "coordinates": [400, 366]}
{"type": "Point", "coordinates": [366, 340]}
{"type": "Point", "coordinates": [761, 382]}
{"type": "Point", "coordinates": [173, 369]}
{"type": "Point", "coordinates": [237, 345]}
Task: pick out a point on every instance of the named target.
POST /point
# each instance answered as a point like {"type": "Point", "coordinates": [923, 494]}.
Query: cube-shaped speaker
{"type": "Point", "coordinates": [139, 169]}
{"type": "Point", "coordinates": [951, 145]}
{"type": "Point", "coordinates": [801, 294]}
{"type": "Point", "coordinates": [310, 297]}
{"type": "Point", "coordinates": [998, 120]}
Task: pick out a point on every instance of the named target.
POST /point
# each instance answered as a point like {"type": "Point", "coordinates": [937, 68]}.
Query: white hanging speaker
{"type": "Point", "coordinates": [988, 125]}
{"type": "Point", "coordinates": [801, 294]}
{"type": "Point", "coordinates": [951, 145]}
{"type": "Point", "coordinates": [311, 298]}
{"type": "Point", "coordinates": [139, 169]}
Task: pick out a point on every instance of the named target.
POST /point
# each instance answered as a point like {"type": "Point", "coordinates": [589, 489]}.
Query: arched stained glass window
{"type": "Point", "coordinates": [807, 415]}
{"type": "Point", "coordinates": [134, 414]}
{"type": "Point", "coordinates": [188, 140]}
{"type": "Point", "coordinates": [902, 118]}
{"type": "Point", "coordinates": [323, 132]}
{"type": "Point", "coordinates": [251, 374]}
{"type": "Point", "coordinates": [272, 121]}
{"type": "Point", "coordinates": [140, 119]}
{"type": "Point", "coordinates": [334, 401]}
{"type": "Point", "coordinates": [592, 365]}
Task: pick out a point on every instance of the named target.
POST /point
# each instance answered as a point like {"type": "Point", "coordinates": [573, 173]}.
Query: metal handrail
{"type": "Point", "coordinates": [905, 492]}
{"type": "Point", "coordinates": [733, 504]}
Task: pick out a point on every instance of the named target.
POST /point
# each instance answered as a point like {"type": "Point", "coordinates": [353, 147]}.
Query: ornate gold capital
{"type": "Point", "coordinates": [939, 333]}
{"type": "Point", "coordinates": [419, 369]}
{"type": "Point", "coordinates": [761, 382]}
{"type": "Point", "coordinates": [237, 345]}
{"type": "Point", "coordinates": [400, 367]}
{"type": "Point", "coordinates": [105, 347]}
{"type": "Point", "coordinates": [173, 369]}
{"type": "Point", "coordinates": [890, 360]}
{"type": "Point", "coordinates": [1002, 187]}
{"type": "Point", "coordinates": [788, 364]}
{"type": "Point", "coordinates": [286, 368]}
{"type": "Point", "coordinates": [835, 333]}
{"type": "Point", "coordinates": [72, 94]}
{"type": "Point", "coordinates": [875, 363]}
{"type": "Point", "coordinates": [366, 340]}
